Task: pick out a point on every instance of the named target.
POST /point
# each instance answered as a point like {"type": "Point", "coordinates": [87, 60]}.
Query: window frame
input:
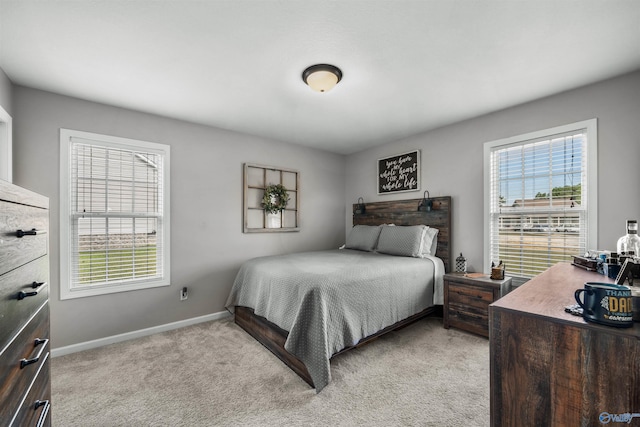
{"type": "Point", "coordinates": [107, 141]}
{"type": "Point", "coordinates": [590, 128]}
{"type": "Point", "coordinates": [6, 145]}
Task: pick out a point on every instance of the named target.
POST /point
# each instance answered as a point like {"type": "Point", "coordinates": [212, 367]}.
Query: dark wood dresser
{"type": "Point", "coordinates": [25, 386]}
{"type": "Point", "coordinates": [551, 368]}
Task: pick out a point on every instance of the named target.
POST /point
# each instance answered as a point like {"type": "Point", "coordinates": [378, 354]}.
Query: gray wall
{"type": "Point", "coordinates": [452, 159]}
{"type": "Point", "coordinates": [207, 242]}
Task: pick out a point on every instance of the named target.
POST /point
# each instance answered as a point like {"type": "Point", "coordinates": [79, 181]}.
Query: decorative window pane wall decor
{"type": "Point", "coordinates": [256, 180]}
{"type": "Point", "coordinates": [115, 214]}
{"type": "Point", "coordinates": [540, 199]}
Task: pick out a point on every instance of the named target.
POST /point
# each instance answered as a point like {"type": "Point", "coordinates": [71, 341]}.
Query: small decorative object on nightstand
{"type": "Point", "coordinates": [497, 271]}
{"type": "Point", "coordinates": [461, 264]}
{"type": "Point", "coordinates": [467, 298]}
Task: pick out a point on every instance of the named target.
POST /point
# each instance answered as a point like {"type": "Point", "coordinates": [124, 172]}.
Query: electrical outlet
{"type": "Point", "coordinates": [184, 294]}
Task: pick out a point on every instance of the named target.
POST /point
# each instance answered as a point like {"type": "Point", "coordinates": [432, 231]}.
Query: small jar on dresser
{"type": "Point", "coordinates": [25, 385]}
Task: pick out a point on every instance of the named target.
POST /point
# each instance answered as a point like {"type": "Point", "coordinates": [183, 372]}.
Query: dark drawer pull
{"type": "Point", "coordinates": [37, 342]}
{"type": "Point", "coordinates": [32, 232]}
{"type": "Point", "coordinates": [43, 415]}
{"type": "Point", "coordinates": [40, 403]}
{"type": "Point", "coordinates": [36, 286]}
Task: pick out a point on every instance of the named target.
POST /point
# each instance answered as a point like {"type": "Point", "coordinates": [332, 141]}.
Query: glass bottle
{"type": "Point", "coordinates": [630, 242]}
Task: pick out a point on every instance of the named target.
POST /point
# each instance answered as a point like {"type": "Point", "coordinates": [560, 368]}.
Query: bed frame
{"type": "Point", "coordinates": [399, 212]}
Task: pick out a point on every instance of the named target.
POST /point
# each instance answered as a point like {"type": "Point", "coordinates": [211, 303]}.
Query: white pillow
{"type": "Point", "coordinates": [430, 242]}
{"type": "Point", "coordinates": [402, 240]}
{"type": "Point", "coordinates": [363, 237]}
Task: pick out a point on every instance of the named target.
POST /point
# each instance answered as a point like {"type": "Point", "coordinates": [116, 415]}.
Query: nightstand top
{"type": "Point", "coordinates": [476, 278]}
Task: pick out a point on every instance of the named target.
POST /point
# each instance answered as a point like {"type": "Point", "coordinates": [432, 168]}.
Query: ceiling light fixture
{"type": "Point", "coordinates": [322, 77]}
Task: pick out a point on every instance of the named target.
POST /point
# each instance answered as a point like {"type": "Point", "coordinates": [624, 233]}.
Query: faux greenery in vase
{"type": "Point", "coordinates": [275, 198]}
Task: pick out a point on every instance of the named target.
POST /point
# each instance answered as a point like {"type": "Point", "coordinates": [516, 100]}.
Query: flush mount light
{"type": "Point", "coordinates": [322, 77]}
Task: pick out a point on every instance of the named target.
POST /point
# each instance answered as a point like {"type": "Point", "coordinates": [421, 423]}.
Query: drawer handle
{"type": "Point", "coordinates": [32, 232]}
{"type": "Point", "coordinates": [45, 411]}
{"type": "Point", "coordinates": [37, 342]}
{"type": "Point", "coordinates": [40, 403]}
{"type": "Point", "coordinates": [36, 286]}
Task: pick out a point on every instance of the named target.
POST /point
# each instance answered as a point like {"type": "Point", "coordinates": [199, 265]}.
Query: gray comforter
{"type": "Point", "coordinates": [329, 300]}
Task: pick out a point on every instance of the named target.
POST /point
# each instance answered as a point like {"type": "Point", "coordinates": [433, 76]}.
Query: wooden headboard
{"type": "Point", "coordinates": [405, 212]}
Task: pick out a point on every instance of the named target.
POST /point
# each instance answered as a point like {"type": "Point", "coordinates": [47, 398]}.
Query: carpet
{"type": "Point", "coordinates": [215, 374]}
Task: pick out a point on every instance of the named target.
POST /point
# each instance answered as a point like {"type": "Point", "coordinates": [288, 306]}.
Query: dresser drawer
{"type": "Point", "coordinates": [15, 312]}
{"type": "Point", "coordinates": [16, 251]}
{"type": "Point", "coordinates": [470, 295]}
{"type": "Point", "coordinates": [15, 377]}
{"type": "Point", "coordinates": [35, 409]}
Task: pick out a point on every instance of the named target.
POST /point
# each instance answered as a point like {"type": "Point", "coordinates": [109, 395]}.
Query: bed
{"type": "Point", "coordinates": [308, 307]}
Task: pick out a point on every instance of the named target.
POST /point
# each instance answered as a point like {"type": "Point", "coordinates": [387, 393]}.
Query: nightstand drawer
{"type": "Point", "coordinates": [470, 295]}
{"type": "Point", "coordinates": [468, 314]}
{"type": "Point", "coordinates": [469, 321]}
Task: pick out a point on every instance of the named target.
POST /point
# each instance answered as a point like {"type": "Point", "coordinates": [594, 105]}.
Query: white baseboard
{"type": "Point", "coordinates": [74, 348]}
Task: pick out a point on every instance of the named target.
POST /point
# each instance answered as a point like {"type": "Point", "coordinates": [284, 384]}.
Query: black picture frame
{"type": "Point", "coordinates": [399, 173]}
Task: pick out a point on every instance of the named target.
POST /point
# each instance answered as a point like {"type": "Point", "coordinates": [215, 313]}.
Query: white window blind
{"type": "Point", "coordinates": [116, 212]}
{"type": "Point", "coordinates": [540, 200]}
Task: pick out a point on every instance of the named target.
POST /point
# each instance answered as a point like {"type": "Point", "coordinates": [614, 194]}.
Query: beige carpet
{"type": "Point", "coordinates": [215, 374]}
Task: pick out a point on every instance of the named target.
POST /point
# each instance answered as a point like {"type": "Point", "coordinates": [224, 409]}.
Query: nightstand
{"type": "Point", "coordinates": [467, 299]}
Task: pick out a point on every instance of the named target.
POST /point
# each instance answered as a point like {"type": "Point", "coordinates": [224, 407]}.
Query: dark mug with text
{"type": "Point", "coordinates": [606, 304]}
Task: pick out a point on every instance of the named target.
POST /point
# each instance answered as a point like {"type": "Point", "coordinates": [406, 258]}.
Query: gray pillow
{"type": "Point", "coordinates": [402, 240]}
{"type": "Point", "coordinates": [363, 237]}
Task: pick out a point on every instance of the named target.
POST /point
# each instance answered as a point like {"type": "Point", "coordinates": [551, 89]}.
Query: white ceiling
{"type": "Point", "coordinates": [409, 66]}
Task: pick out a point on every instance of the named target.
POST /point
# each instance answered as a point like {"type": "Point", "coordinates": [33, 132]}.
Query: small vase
{"type": "Point", "coordinates": [274, 220]}
{"type": "Point", "coordinates": [461, 264]}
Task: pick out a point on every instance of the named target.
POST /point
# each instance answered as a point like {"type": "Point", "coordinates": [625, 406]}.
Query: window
{"type": "Point", "coordinates": [114, 214]}
{"type": "Point", "coordinates": [256, 179]}
{"type": "Point", "coordinates": [541, 201]}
